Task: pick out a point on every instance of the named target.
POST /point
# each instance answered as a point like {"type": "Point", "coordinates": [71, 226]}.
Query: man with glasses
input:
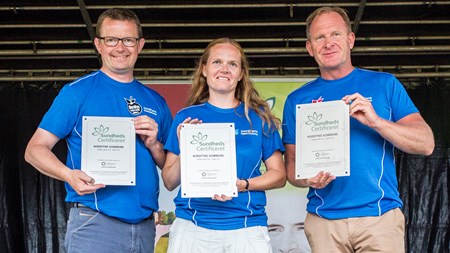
{"type": "Point", "coordinates": [107, 218]}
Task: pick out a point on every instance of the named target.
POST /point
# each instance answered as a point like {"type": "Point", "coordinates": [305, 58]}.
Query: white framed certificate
{"type": "Point", "coordinates": [208, 160]}
{"type": "Point", "coordinates": [108, 152]}
{"type": "Point", "coordinates": [322, 139]}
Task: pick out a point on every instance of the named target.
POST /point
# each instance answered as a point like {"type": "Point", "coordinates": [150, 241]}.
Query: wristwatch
{"type": "Point", "coordinates": [246, 184]}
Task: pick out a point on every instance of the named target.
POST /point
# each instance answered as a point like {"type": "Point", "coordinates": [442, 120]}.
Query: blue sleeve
{"type": "Point", "coordinates": [166, 121]}
{"type": "Point", "coordinates": [401, 103]}
{"type": "Point", "coordinates": [62, 116]}
{"type": "Point", "coordinates": [172, 143]}
{"type": "Point", "coordinates": [271, 143]}
{"type": "Point", "coordinates": [288, 124]}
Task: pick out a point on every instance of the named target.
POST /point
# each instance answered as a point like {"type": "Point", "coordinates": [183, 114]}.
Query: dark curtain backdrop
{"type": "Point", "coordinates": [33, 212]}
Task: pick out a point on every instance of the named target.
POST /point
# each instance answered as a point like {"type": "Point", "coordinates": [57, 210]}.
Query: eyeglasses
{"type": "Point", "coordinates": [113, 41]}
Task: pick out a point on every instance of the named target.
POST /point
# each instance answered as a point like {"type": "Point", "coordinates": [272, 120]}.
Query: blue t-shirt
{"type": "Point", "coordinates": [253, 144]}
{"type": "Point", "coordinates": [97, 94]}
{"type": "Point", "coordinates": [371, 188]}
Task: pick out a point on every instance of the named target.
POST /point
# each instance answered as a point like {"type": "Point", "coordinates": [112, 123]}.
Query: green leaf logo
{"type": "Point", "coordinates": [198, 138]}
{"type": "Point", "coordinates": [314, 118]}
{"type": "Point", "coordinates": [271, 102]}
{"type": "Point", "coordinates": [100, 130]}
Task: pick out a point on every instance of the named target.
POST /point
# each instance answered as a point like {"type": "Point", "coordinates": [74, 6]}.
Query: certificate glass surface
{"type": "Point", "coordinates": [208, 160]}
{"type": "Point", "coordinates": [109, 150]}
{"type": "Point", "coordinates": [322, 139]}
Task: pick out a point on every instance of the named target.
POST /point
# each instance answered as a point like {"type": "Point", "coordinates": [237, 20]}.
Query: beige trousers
{"type": "Point", "coordinates": [365, 234]}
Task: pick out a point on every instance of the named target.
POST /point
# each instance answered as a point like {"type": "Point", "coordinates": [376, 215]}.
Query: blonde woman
{"type": "Point", "coordinates": [223, 92]}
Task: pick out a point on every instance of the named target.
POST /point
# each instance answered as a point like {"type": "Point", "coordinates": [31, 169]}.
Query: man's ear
{"type": "Point", "coordinates": [309, 48]}
{"type": "Point", "coordinates": [97, 44]}
{"type": "Point", "coordinates": [141, 44]}
{"type": "Point", "coordinates": [351, 40]}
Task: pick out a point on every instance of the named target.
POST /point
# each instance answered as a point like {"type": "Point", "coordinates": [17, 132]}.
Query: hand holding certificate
{"type": "Point", "coordinates": [322, 139]}
{"type": "Point", "coordinates": [109, 150]}
{"type": "Point", "coordinates": [208, 160]}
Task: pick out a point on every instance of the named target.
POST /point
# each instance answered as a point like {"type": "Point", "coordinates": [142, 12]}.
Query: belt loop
{"type": "Point", "coordinates": [77, 205]}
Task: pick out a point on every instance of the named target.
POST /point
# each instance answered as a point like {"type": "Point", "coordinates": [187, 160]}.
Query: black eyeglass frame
{"type": "Point", "coordinates": [118, 39]}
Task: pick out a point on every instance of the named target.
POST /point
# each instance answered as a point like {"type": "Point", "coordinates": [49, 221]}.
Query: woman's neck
{"type": "Point", "coordinates": [224, 102]}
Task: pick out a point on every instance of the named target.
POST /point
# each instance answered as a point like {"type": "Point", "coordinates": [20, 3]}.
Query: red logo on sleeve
{"type": "Point", "coordinates": [320, 99]}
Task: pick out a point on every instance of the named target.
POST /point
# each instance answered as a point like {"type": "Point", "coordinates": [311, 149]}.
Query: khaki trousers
{"type": "Point", "coordinates": [365, 234]}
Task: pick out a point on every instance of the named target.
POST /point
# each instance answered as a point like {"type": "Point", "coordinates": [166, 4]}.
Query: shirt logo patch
{"type": "Point", "coordinates": [133, 107]}
{"type": "Point", "coordinates": [150, 110]}
{"type": "Point", "coordinates": [320, 99]}
{"type": "Point", "coordinates": [249, 132]}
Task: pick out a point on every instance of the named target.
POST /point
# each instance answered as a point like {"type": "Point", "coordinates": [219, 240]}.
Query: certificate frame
{"type": "Point", "coordinates": [322, 139]}
{"type": "Point", "coordinates": [208, 160]}
{"type": "Point", "coordinates": [108, 151]}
